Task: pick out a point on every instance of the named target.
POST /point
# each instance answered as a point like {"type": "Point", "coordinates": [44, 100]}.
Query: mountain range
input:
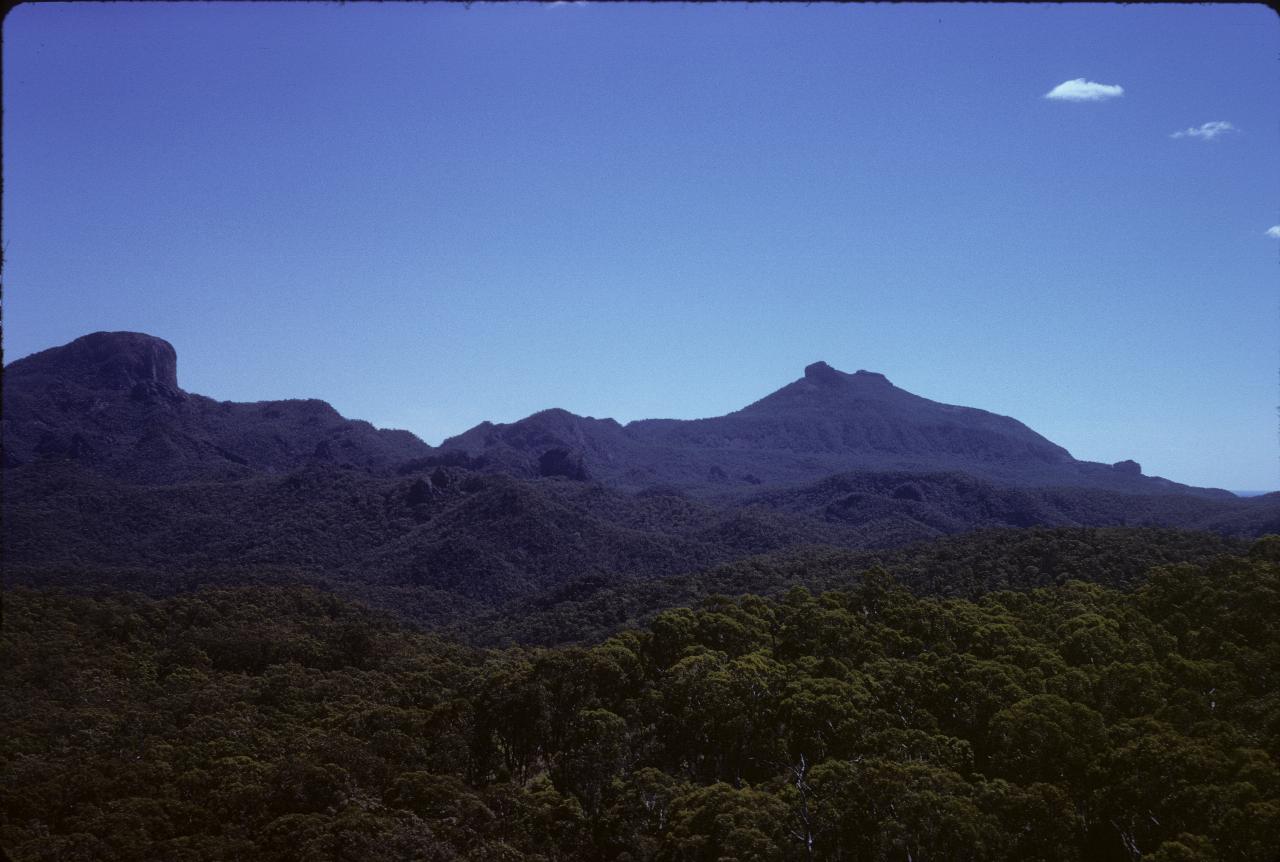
{"type": "Point", "coordinates": [111, 400]}
{"type": "Point", "coordinates": [115, 474]}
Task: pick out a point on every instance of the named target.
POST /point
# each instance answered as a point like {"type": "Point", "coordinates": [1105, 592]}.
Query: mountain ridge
{"type": "Point", "coordinates": [828, 421]}
{"type": "Point", "coordinates": [115, 476]}
{"type": "Point", "coordinates": [112, 400]}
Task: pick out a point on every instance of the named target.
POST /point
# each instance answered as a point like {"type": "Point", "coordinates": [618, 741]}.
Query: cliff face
{"type": "Point", "coordinates": [104, 360]}
{"type": "Point", "coordinates": [111, 401]}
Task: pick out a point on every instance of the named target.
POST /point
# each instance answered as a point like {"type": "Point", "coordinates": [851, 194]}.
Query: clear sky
{"type": "Point", "coordinates": [433, 215]}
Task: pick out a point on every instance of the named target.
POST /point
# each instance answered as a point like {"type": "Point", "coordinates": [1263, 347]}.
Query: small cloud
{"type": "Point", "coordinates": [1208, 131]}
{"type": "Point", "coordinates": [1274, 231]}
{"type": "Point", "coordinates": [1080, 90]}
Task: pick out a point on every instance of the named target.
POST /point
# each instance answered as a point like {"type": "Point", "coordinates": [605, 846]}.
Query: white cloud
{"type": "Point", "coordinates": [1208, 131]}
{"type": "Point", "coordinates": [1274, 231]}
{"type": "Point", "coordinates": [1080, 90]}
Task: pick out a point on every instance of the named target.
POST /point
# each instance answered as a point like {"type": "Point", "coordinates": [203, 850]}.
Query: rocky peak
{"type": "Point", "coordinates": [861, 376]}
{"type": "Point", "coordinates": [1132, 468]}
{"type": "Point", "coordinates": [823, 374]}
{"type": "Point", "coordinates": [110, 360]}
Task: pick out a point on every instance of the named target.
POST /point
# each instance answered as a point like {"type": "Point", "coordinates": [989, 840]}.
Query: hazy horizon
{"type": "Point", "coordinates": [436, 215]}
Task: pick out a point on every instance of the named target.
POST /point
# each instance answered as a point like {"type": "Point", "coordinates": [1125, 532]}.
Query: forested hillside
{"type": "Point", "coordinates": [966, 566]}
{"type": "Point", "coordinates": [441, 544]}
{"type": "Point", "coordinates": [1072, 722]}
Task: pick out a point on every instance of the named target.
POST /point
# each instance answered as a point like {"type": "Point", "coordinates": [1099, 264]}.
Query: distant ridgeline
{"type": "Point", "coordinates": [116, 475]}
{"type": "Point", "coordinates": [111, 401]}
{"type": "Point", "coordinates": [826, 422]}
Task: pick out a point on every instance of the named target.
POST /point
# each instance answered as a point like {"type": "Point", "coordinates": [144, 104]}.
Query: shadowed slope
{"type": "Point", "coordinates": [111, 401]}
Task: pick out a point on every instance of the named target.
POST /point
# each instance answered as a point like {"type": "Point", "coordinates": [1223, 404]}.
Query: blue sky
{"type": "Point", "coordinates": [433, 215]}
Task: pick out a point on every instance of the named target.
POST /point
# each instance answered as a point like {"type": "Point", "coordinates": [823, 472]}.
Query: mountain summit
{"type": "Point", "coordinates": [107, 360]}
{"type": "Point", "coordinates": [111, 401]}
{"type": "Point", "coordinates": [827, 421]}
{"type": "Point", "coordinates": [831, 411]}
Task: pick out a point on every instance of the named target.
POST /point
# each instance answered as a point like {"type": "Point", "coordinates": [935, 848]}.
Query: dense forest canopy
{"type": "Point", "coordinates": [971, 565]}
{"type": "Point", "coordinates": [1070, 722]}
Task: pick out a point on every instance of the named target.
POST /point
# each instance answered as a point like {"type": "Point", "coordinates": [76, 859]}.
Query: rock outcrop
{"type": "Point", "coordinates": [111, 401]}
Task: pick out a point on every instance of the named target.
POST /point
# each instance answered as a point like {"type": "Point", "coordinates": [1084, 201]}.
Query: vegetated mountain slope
{"type": "Point", "coordinates": [111, 400]}
{"type": "Point", "coordinates": [898, 507]}
{"type": "Point", "coordinates": [425, 544]}
{"type": "Point", "coordinates": [450, 542]}
{"type": "Point", "coordinates": [971, 565]}
{"type": "Point", "coordinates": [826, 422]}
